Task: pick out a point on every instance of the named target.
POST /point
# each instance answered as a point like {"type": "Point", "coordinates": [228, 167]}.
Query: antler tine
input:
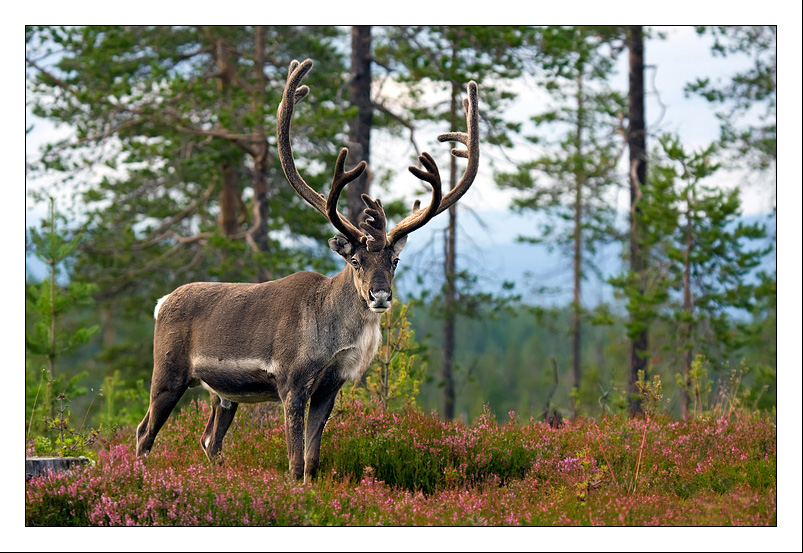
{"type": "Point", "coordinates": [472, 151]}
{"type": "Point", "coordinates": [374, 224]}
{"type": "Point", "coordinates": [339, 182]}
{"type": "Point", "coordinates": [419, 218]}
{"type": "Point", "coordinates": [292, 94]}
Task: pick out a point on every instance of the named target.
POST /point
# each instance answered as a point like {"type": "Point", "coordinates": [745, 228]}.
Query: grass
{"type": "Point", "coordinates": [403, 469]}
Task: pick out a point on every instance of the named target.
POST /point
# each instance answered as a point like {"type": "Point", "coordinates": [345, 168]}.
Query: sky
{"type": "Point", "coordinates": [691, 119]}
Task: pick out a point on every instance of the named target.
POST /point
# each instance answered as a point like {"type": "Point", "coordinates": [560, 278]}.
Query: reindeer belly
{"type": "Point", "coordinates": [237, 380]}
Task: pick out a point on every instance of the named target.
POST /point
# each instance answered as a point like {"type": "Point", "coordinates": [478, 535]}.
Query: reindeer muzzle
{"type": "Point", "coordinates": [379, 301]}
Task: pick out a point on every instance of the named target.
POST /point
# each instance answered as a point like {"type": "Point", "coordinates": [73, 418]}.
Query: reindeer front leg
{"type": "Point", "coordinates": [320, 407]}
{"type": "Point", "coordinates": [294, 404]}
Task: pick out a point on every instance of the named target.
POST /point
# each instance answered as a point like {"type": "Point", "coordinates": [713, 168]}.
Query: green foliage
{"type": "Point", "coordinates": [61, 438]}
{"type": "Point", "coordinates": [729, 396]}
{"type": "Point", "coordinates": [170, 139]}
{"type": "Point", "coordinates": [446, 57]}
{"type": "Point", "coordinates": [50, 301]}
{"type": "Point", "coordinates": [749, 99]}
{"type": "Point", "coordinates": [651, 394]}
{"type": "Point", "coordinates": [702, 261]}
{"type": "Point", "coordinates": [427, 454]}
{"type": "Point", "coordinates": [46, 336]}
{"type": "Point", "coordinates": [124, 403]}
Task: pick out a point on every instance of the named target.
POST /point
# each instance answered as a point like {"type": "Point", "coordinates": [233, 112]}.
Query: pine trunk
{"type": "Point", "coordinates": [638, 172]}
{"type": "Point", "coordinates": [260, 210]}
{"type": "Point", "coordinates": [688, 307]}
{"type": "Point", "coordinates": [450, 269]}
{"type": "Point", "coordinates": [577, 306]}
{"type": "Point", "coordinates": [229, 197]}
{"type": "Point", "coordinates": [360, 126]}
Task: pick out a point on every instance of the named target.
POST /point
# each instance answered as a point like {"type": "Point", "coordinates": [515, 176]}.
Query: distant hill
{"type": "Point", "coordinates": [487, 248]}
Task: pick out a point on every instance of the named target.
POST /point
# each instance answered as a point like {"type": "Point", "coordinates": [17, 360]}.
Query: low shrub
{"type": "Point", "coordinates": [411, 468]}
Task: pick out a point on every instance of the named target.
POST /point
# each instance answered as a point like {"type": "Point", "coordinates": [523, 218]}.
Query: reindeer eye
{"type": "Point", "coordinates": [355, 263]}
{"type": "Point", "coordinates": [395, 262]}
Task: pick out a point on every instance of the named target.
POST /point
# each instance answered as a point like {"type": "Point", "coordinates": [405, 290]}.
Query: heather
{"type": "Point", "coordinates": [410, 468]}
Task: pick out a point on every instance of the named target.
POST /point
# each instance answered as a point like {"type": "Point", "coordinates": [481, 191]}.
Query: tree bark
{"type": "Point", "coordinates": [230, 201]}
{"type": "Point", "coordinates": [230, 197]}
{"type": "Point", "coordinates": [450, 269]}
{"type": "Point", "coordinates": [360, 125]}
{"type": "Point", "coordinates": [636, 139]}
{"type": "Point", "coordinates": [688, 308]}
{"type": "Point", "coordinates": [579, 174]}
{"type": "Point", "coordinates": [260, 210]}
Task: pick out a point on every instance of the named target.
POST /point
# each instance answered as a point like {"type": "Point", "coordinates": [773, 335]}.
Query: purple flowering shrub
{"type": "Point", "coordinates": [379, 467]}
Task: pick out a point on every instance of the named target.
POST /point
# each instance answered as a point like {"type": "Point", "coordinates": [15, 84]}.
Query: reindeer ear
{"type": "Point", "coordinates": [398, 245]}
{"type": "Point", "coordinates": [341, 246]}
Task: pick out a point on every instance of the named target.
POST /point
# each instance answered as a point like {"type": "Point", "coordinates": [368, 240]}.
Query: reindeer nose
{"type": "Point", "coordinates": [381, 296]}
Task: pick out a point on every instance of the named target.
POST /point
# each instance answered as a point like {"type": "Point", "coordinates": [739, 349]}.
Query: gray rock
{"type": "Point", "coordinates": [34, 466]}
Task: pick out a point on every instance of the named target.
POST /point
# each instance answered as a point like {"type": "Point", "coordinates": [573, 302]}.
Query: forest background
{"type": "Point", "coordinates": [497, 314]}
{"type": "Point", "coordinates": [157, 191]}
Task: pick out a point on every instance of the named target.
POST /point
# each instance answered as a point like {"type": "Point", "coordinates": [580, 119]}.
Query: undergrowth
{"type": "Point", "coordinates": [410, 468]}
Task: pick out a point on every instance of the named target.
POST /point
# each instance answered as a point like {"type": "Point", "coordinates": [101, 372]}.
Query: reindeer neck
{"type": "Point", "coordinates": [348, 298]}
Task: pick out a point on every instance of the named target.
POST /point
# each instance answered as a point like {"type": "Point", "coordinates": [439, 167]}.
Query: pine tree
{"type": "Point", "coordinates": [748, 101]}
{"type": "Point", "coordinates": [172, 161]}
{"type": "Point", "coordinates": [707, 254]}
{"type": "Point", "coordinates": [180, 123]}
{"type": "Point", "coordinates": [52, 299]}
{"type": "Point", "coordinates": [573, 180]}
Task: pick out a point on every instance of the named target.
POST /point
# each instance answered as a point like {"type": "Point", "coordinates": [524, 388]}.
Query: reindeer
{"type": "Point", "coordinates": [297, 339]}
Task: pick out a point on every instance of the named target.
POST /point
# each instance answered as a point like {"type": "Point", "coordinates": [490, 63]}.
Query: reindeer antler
{"type": "Point", "coordinates": [472, 152]}
{"type": "Point", "coordinates": [440, 203]}
{"type": "Point", "coordinates": [374, 224]}
{"type": "Point", "coordinates": [373, 232]}
{"type": "Point", "coordinates": [328, 208]}
{"type": "Point", "coordinates": [419, 218]}
{"type": "Point", "coordinates": [339, 182]}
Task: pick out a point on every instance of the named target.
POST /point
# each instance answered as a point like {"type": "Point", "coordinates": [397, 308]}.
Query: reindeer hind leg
{"type": "Point", "coordinates": [164, 398]}
{"type": "Point", "coordinates": [219, 421]}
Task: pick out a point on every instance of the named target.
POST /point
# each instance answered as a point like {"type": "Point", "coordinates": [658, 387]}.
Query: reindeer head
{"type": "Point", "coordinates": [371, 252]}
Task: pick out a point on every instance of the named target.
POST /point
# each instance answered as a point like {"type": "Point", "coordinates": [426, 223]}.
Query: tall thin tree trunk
{"type": "Point", "coordinates": [360, 125]}
{"type": "Point", "coordinates": [230, 201]}
{"type": "Point", "coordinates": [229, 197]}
{"type": "Point", "coordinates": [450, 269]}
{"type": "Point", "coordinates": [260, 209]}
{"type": "Point", "coordinates": [577, 306]}
{"type": "Point", "coordinates": [107, 311]}
{"type": "Point", "coordinates": [636, 139]}
{"type": "Point", "coordinates": [51, 356]}
{"type": "Point", "coordinates": [688, 308]}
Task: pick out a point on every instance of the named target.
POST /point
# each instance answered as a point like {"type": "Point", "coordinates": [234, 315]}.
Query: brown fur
{"type": "Point", "coordinates": [294, 340]}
